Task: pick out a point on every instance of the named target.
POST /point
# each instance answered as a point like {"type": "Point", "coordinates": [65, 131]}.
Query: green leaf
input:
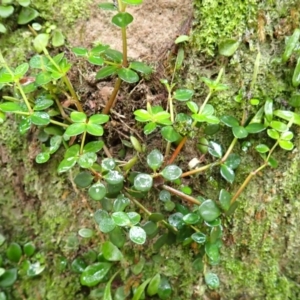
{"type": "Point", "coordinates": [86, 232]}
{"type": "Point", "coordinates": [170, 134]}
{"type": "Point", "coordinates": [80, 51]}
{"type": "Point", "coordinates": [155, 159]}
{"type": "Point", "coordinates": [142, 115]}
{"type": "Point", "coordinates": [42, 157]}
{"type": "Point", "coordinates": [272, 133]}
{"type": "Point", "coordinates": [183, 94]}
{"type": "Point", "coordinates": [288, 115]}
{"type": "Point", "coordinates": [227, 173]}
{"type": "Point", "coordinates": [137, 235]}
{"type": "Point", "coordinates": [97, 191]}
{"type": "Point", "coordinates": [209, 211]}
{"type": "Point", "coordinates": [224, 199]}
{"type": "Point", "coordinates": [255, 127]}
{"type": "Point", "coordinates": [98, 119]}
{"type": "Point", "coordinates": [107, 292]}
{"type": "Point", "coordinates": [40, 118]}
{"type": "Point", "coordinates": [107, 6]}
{"type": "Point", "coordinates": [114, 55]}
{"type": "Point", "coordinates": [66, 164]}
{"type": "Point", "coordinates": [42, 104]}
{"type": "Point", "coordinates": [132, 2]}
{"type": "Point", "coordinates": [10, 107]}
{"type": "Point", "coordinates": [182, 38]}
{"type": "Point", "coordinates": [140, 67]}
{"type": "Point", "coordinates": [106, 224]}
{"type": "Point", "coordinates": [95, 60]}
{"type": "Point", "coordinates": [269, 109]}
{"type": "Point", "coordinates": [286, 145]}
{"type": "Point", "coordinates": [143, 182]}
{"type": "Point", "coordinates": [122, 19]}
{"type": "Point", "coordinates": [121, 219]}
{"type": "Point", "coordinates": [21, 70]}
{"type": "Point", "coordinates": [149, 128]}
{"type": "Point", "coordinates": [83, 179]}
{"type": "Point", "coordinates": [43, 78]}
{"type": "Point", "coordinates": [58, 38]}
{"type": "Point", "coordinates": [191, 218]}
{"type": "Point", "coordinates": [164, 289]}
{"type": "Point", "coordinates": [8, 278]}
{"type": "Point", "coordinates": [233, 161]}
{"type": "Point", "coordinates": [78, 265]}
{"type": "Point", "coordinates": [212, 280]}
{"type": "Point", "coordinates": [94, 129]}
{"type": "Point", "coordinates": [121, 203]}
{"type": "Point", "coordinates": [78, 117]}
{"type": "Point", "coordinates": [154, 285]}
{"type": "Point", "coordinates": [26, 15]}
{"type": "Point", "coordinates": [94, 146]}
{"type": "Point", "coordinates": [111, 252]}
{"type": "Point", "coordinates": [295, 100]}
{"type": "Point", "coordinates": [228, 47]}
{"type": "Point", "coordinates": [29, 249]}
{"type": "Point", "coordinates": [215, 149]}
{"type": "Point", "coordinates": [239, 132]}
{"type": "Point", "coordinates": [140, 289]}
{"type": "Point", "coordinates": [291, 43]}
{"type": "Point", "coordinates": [230, 121]}
{"type": "Point", "coordinates": [108, 164]}
{"type": "Point", "coordinates": [262, 148]}
{"type": "Point", "coordinates": [94, 273]}
{"type": "Point", "coordinates": [87, 159]}
{"type": "Point", "coordinates": [150, 228]}
{"type": "Point", "coordinates": [199, 237]}
{"type": "Point", "coordinates": [2, 28]}
{"type": "Point", "coordinates": [40, 42]}
{"type": "Point", "coordinates": [171, 172]}
{"type": "Point", "coordinates": [287, 136]}
{"type": "Point", "coordinates": [113, 177]}
{"type": "Point", "coordinates": [14, 252]}
{"type": "Point", "coordinates": [212, 251]}
{"type": "Point", "coordinates": [128, 75]}
{"type": "Point", "coordinates": [279, 126]}
{"type": "Point", "coordinates": [193, 107]}
{"type": "Point", "coordinates": [76, 129]}
{"type": "Point", "coordinates": [6, 11]}
{"type": "Point", "coordinates": [134, 217]}
{"type": "Point", "coordinates": [296, 75]}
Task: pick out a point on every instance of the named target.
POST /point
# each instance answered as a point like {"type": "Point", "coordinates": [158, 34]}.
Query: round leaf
{"type": "Point", "coordinates": [83, 179]}
{"type": "Point", "coordinates": [170, 134]}
{"type": "Point", "coordinates": [228, 47]}
{"type": "Point", "coordinates": [78, 265]}
{"type": "Point", "coordinates": [171, 172]}
{"type": "Point", "coordinates": [97, 191]}
{"type": "Point", "coordinates": [134, 217]}
{"type": "Point", "coordinates": [114, 177]}
{"type": "Point", "coordinates": [42, 157]}
{"type": "Point", "coordinates": [94, 273]}
{"type": "Point", "coordinates": [239, 132]}
{"type": "Point", "coordinates": [40, 42]}
{"type": "Point", "coordinates": [94, 129]}
{"type": "Point", "coordinates": [86, 232]}
{"type": "Point", "coordinates": [6, 11]}
{"type": "Point", "coordinates": [40, 118]}
{"type": "Point", "coordinates": [209, 211]}
{"type": "Point", "coordinates": [14, 252]}
{"type": "Point", "coordinates": [262, 148]}
{"type": "Point", "coordinates": [29, 249]}
{"type": "Point", "coordinates": [35, 269]}
{"type": "Point", "coordinates": [98, 119]}
{"type": "Point", "coordinates": [143, 182]}
{"type": "Point", "coordinates": [155, 159]}
{"type": "Point", "coordinates": [108, 164]}
{"type": "Point", "coordinates": [122, 19]}
{"type": "Point", "coordinates": [78, 117]}
{"type": "Point", "coordinates": [75, 129]}
{"type": "Point", "coordinates": [8, 278]}
{"type": "Point", "coordinates": [212, 280]}
{"type": "Point", "coordinates": [26, 15]}
{"type": "Point", "coordinates": [183, 94]}
{"type": "Point", "coordinates": [137, 235]}
{"type": "Point", "coordinates": [227, 173]}
{"type": "Point", "coordinates": [106, 224]}
{"type": "Point", "coordinates": [86, 160]}
{"type": "Point", "coordinates": [191, 218]}
{"type": "Point", "coordinates": [199, 237]}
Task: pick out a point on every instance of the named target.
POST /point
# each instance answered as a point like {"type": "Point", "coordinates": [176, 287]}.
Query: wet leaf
{"type": "Point", "coordinates": [262, 148]}
{"type": "Point", "coordinates": [86, 232]}
{"type": "Point", "coordinates": [171, 172]}
{"type": "Point", "coordinates": [42, 157]}
{"type": "Point", "coordinates": [269, 109]}
{"type": "Point", "coordinates": [191, 218]}
{"type": "Point", "coordinates": [10, 107]}
{"type": "Point", "coordinates": [239, 132]}
{"type": "Point", "coordinates": [164, 289]}
{"type": "Point", "coordinates": [117, 237]}
{"type": "Point", "coordinates": [94, 273]}
{"type": "Point", "coordinates": [111, 252]}
{"type": "Point", "coordinates": [143, 182]}
{"type": "Point", "coordinates": [227, 173]}
{"type": "Point", "coordinates": [121, 218]}
{"type": "Point", "coordinates": [75, 129]}
{"type": "Point", "coordinates": [224, 199]}
{"type": "Point", "coordinates": [170, 134]}
{"type": "Point", "coordinates": [94, 146]}
{"type": "Point", "coordinates": [209, 211]}
{"type": "Point", "coordinates": [286, 145]}
{"type": "Point", "coordinates": [233, 161]}
{"type": "Point", "coordinates": [199, 237]}
{"type": "Point", "coordinates": [212, 280]}
{"type": "Point", "coordinates": [83, 179]}
{"type": "Point", "coordinates": [279, 126]}
{"type": "Point", "coordinates": [164, 196]}
{"type": "Point", "coordinates": [176, 220]}
{"type": "Point", "coordinates": [113, 177]}
{"type": "Point", "coordinates": [97, 191]}
{"type": "Point", "coordinates": [134, 217]}
{"type": "Point", "coordinates": [86, 160]}
{"type": "Point", "coordinates": [137, 235]}
{"type": "Point", "coordinates": [78, 265]}
{"type": "Point", "coordinates": [121, 203]}
{"type": "Point", "coordinates": [255, 127]}
{"type": "Point", "coordinates": [272, 133]}
{"type": "Point", "coordinates": [155, 159]}
{"type": "Point", "coordinates": [230, 121]}
{"type": "Point", "coordinates": [122, 19]}
{"type": "Point", "coordinates": [296, 75]}
{"type": "Point", "coordinates": [215, 149]}
{"type": "Point", "coordinates": [8, 278]}
{"type": "Point", "coordinates": [35, 269]}
{"type": "Point", "coordinates": [106, 224]}
{"type": "Point", "coordinates": [66, 164]}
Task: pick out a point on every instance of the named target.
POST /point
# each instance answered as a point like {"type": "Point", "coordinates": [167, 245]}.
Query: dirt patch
{"type": "Point", "coordinates": [156, 25]}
